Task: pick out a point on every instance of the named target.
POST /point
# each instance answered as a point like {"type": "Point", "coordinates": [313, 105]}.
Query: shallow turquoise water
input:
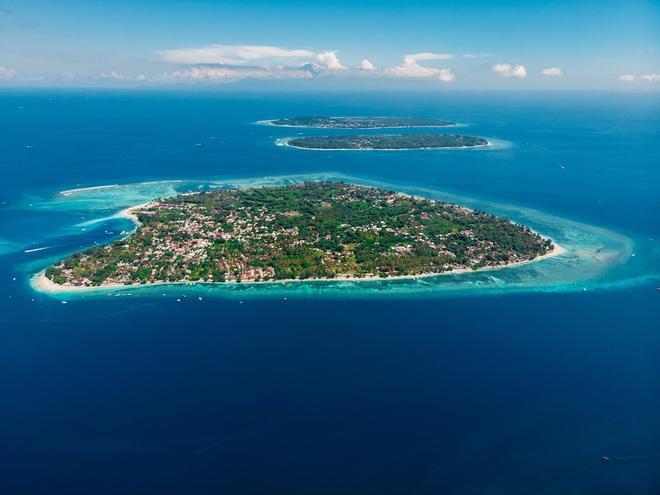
{"type": "Point", "coordinates": [594, 257]}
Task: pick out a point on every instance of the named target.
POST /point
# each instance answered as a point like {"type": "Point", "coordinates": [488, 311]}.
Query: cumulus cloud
{"type": "Point", "coordinates": [552, 72]}
{"type": "Point", "coordinates": [6, 74]}
{"type": "Point", "coordinates": [650, 77]}
{"type": "Point", "coordinates": [519, 71]}
{"type": "Point", "coordinates": [411, 69]}
{"type": "Point", "coordinates": [627, 78]}
{"type": "Point", "coordinates": [446, 75]}
{"type": "Point", "coordinates": [366, 65]}
{"type": "Point", "coordinates": [230, 54]}
{"type": "Point", "coordinates": [508, 70]}
{"type": "Point", "coordinates": [329, 60]}
{"type": "Point", "coordinates": [235, 62]}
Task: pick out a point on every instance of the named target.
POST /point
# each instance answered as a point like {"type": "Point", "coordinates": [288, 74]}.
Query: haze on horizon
{"type": "Point", "coordinates": [293, 44]}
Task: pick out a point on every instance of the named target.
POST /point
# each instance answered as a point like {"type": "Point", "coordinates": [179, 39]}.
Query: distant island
{"type": "Point", "coordinates": [387, 142]}
{"type": "Point", "coordinates": [313, 230]}
{"type": "Point", "coordinates": [359, 122]}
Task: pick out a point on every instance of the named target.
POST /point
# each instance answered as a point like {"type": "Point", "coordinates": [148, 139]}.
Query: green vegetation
{"type": "Point", "coordinates": [387, 142]}
{"type": "Point", "coordinates": [360, 122]}
{"type": "Point", "coordinates": [320, 230]}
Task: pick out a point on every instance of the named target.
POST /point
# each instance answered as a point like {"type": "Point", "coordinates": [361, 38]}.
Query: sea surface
{"type": "Point", "coordinates": [537, 379]}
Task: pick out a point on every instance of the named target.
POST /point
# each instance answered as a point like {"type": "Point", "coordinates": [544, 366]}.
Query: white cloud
{"type": "Point", "coordinates": [111, 76]}
{"type": "Point", "coordinates": [6, 74]}
{"type": "Point", "coordinates": [235, 62]}
{"type": "Point", "coordinates": [503, 70]}
{"type": "Point", "coordinates": [366, 65]}
{"type": "Point", "coordinates": [411, 68]}
{"type": "Point", "coordinates": [115, 75]}
{"type": "Point", "coordinates": [552, 72]}
{"type": "Point", "coordinates": [230, 54]}
{"type": "Point", "coordinates": [231, 74]}
{"type": "Point", "coordinates": [445, 56]}
{"type": "Point", "coordinates": [446, 75]}
{"type": "Point", "coordinates": [477, 55]}
{"type": "Point", "coordinates": [644, 77]}
{"type": "Point", "coordinates": [519, 71]}
{"type": "Point", "coordinates": [508, 70]}
{"type": "Point", "coordinates": [329, 61]}
{"type": "Point", "coordinates": [428, 56]}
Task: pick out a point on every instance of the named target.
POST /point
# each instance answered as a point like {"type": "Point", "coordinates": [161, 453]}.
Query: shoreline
{"type": "Point", "coordinates": [41, 283]}
{"type": "Point", "coordinates": [129, 212]}
{"type": "Point", "coordinates": [284, 142]}
{"type": "Point", "coordinates": [270, 123]}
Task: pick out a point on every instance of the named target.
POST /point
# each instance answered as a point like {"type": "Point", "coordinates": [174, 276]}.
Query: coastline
{"type": "Point", "coordinates": [285, 143]}
{"type": "Point", "coordinates": [129, 212]}
{"type": "Point", "coordinates": [41, 283]}
{"type": "Point", "coordinates": [270, 123]}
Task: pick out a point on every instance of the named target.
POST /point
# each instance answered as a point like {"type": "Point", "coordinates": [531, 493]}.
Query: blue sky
{"type": "Point", "coordinates": [462, 44]}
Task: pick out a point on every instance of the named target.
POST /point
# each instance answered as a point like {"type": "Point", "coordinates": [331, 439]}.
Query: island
{"type": "Point", "coordinates": [386, 142]}
{"type": "Point", "coordinates": [359, 122]}
{"type": "Point", "coordinates": [303, 231]}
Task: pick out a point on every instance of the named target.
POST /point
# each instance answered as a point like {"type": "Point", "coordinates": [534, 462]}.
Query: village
{"type": "Point", "coordinates": [317, 230]}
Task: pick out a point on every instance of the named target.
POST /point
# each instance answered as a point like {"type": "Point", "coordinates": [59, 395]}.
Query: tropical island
{"type": "Point", "coordinates": [387, 142]}
{"type": "Point", "coordinates": [312, 230]}
{"type": "Point", "coordinates": [359, 122]}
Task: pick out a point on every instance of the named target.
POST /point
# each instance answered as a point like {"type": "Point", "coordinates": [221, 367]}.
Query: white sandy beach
{"type": "Point", "coordinates": [130, 212]}
{"type": "Point", "coordinates": [43, 284]}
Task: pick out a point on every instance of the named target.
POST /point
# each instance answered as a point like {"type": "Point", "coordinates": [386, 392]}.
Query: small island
{"type": "Point", "coordinates": [359, 122]}
{"type": "Point", "coordinates": [313, 230]}
{"type": "Point", "coordinates": [387, 142]}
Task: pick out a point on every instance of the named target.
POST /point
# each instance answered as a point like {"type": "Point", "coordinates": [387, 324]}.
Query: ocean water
{"type": "Point", "coordinates": [512, 381]}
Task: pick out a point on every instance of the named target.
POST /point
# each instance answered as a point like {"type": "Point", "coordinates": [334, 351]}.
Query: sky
{"type": "Point", "coordinates": [306, 44]}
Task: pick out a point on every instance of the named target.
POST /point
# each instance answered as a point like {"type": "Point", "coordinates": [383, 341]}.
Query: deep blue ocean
{"type": "Point", "coordinates": [512, 387]}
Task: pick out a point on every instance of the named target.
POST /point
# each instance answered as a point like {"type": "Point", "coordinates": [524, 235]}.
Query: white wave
{"type": "Point", "coordinates": [158, 182]}
{"type": "Point", "coordinates": [69, 192]}
{"type": "Point", "coordinates": [34, 250]}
